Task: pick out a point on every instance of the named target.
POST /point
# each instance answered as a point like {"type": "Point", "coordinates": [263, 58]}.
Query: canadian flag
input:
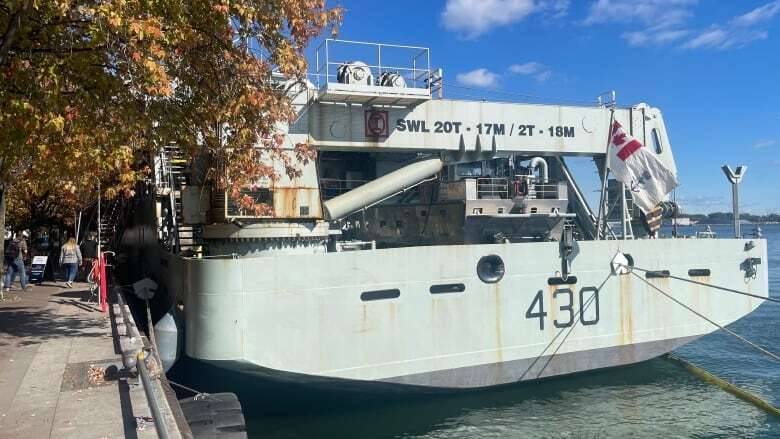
{"type": "Point", "coordinates": [639, 169]}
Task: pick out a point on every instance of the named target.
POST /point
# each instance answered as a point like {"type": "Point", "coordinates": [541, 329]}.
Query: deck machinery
{"type": "Point", "coordinates": [433, 243]}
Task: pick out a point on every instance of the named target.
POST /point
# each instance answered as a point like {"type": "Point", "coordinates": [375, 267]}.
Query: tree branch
{"type": "Point", "coordinates": [10, 33]}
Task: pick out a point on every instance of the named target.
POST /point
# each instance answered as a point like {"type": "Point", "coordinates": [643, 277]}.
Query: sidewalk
{"type": "Point", "coordinates": [51, 341]}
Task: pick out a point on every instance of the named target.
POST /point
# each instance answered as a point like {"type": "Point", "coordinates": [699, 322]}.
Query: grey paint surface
{"type": "Point", "coordinates": [303, 313]}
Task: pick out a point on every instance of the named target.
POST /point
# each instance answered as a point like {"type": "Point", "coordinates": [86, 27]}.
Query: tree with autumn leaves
{"type": "Point", "coordinates": [89, 88]}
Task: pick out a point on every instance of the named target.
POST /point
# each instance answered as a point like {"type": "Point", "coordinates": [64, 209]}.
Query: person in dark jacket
{"type": "Point", "coordinates": [15, 254]}
{"type": "Point", "coordinates": [89, 251]}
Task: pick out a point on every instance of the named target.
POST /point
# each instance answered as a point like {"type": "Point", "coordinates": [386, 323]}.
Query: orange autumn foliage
{"type": "Point", "coordinates": [90, 88]}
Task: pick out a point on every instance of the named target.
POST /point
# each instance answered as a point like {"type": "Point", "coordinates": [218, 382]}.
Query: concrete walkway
{"type": "Point", "coordinates": [51, 341]}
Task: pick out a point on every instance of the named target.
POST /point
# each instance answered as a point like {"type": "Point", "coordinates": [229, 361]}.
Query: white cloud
{"type": "Point", "coordinates": [739, 31]}
{"type": "Point", "coordinates": [539, 71]}
{"type": "Point", "coordinates": [665, 22]}
{"type": "Point", "coordinates": [761, 144]}
{"type": "Point", "coordinates": [472, 18]}
{"type": "Point", "coordinates": [656, 14]}
{"type": "Point", "coordinates": [728, 37]}
{"type": "Point", "coordinates": [661, 21]}
{"type": "Point", "coordinates": [758, 15]}
{"type": "Point", "coordinates": [478, 78]}
{"type": "Point", "coordinates": [710, 38]}
{"type": "Point", "coordinates": [642, 38]}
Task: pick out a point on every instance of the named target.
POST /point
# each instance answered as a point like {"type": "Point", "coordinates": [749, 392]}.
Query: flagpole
{"type": "Point", "coordinates": [604, 175]}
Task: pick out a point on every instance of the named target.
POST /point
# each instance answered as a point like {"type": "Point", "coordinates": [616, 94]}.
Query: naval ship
{"type": "Point", "coordinates": [434, 243]}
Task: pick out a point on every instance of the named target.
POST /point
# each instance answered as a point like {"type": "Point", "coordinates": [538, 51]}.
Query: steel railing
{"type": "Point", "coordinates": [417, 69]}
{"type": "Point", "coordinates": [492, 188]}
{"type": "Point", "coordinates": [333, 187]}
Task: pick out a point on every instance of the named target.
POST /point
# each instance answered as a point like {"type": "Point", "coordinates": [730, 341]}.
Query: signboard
{"type": "Point", "coordinates": [376, 125]}
{"type": "Point", "coordinates": [37, 268]}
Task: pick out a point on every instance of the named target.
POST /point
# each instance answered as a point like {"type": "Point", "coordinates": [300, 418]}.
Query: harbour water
{"type": "Point", "coordinates": [653, 399]}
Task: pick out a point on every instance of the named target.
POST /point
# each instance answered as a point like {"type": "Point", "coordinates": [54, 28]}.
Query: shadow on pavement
{"type": "Point", "coordinates": [35, 325]}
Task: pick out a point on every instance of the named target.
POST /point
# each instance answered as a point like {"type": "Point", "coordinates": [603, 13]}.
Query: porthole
{"type": "Point", "coordinates": [490, 269]}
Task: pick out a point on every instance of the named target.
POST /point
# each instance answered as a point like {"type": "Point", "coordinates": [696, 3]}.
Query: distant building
{"type": "Point", "coordinates": [684, 221]}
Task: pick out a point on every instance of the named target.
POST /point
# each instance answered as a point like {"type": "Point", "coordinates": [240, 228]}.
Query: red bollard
{"type": "Point", "coordinates": [103, 293]}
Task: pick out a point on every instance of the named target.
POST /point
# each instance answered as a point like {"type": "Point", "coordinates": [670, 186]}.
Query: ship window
{"type": "Point", "coordinates": [368, 296]}
{"type": "Point", "coordinates": [304, 211]}
{"type": "Point", "coordinates": [473, 169]}
{"type": "Point", "coordinates": [500, 210]}
{"type": "Point", "coordinates": [534, 210]}
{"type": "Point", "coordinates": [476, 211]}
{"type": "Point", "coordinates": [447, 288]}
{"type": "Point", "coordinates": [694, 272]}
{"type": "Point", "coordinates": [423, 213]}
{"type": "Point", "coordinates": [656, 141]}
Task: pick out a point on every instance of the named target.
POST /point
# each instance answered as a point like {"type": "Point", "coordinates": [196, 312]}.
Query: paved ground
{"type": "Point", "coordinates": [50, 339]}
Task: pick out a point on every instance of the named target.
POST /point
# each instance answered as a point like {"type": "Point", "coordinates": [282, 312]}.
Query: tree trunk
{"type": "Point", "coordinates": [14, 23]}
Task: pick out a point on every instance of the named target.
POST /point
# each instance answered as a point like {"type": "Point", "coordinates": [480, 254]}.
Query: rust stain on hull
{"type": "Point", "coordinates": [499, 338]}
{"type": "Point", "coordinates": [626, 310]}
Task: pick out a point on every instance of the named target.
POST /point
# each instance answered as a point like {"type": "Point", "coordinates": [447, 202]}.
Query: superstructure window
{"type": "Point", "coordinates": [473, 169]}
{"type": "Point", "coordinates": [656, 141]}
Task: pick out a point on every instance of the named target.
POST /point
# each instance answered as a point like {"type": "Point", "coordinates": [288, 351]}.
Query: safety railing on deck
{"type": "Point", "coordinates": [492, 188]}
{"type": "Point", "coordinates": [545, 191]}
{"type": "Point", "coordinates": [411, 62]}
{"type": "Point", "coordinates": [333, 187]}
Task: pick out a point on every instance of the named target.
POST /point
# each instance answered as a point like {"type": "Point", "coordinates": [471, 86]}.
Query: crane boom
{"type": "Point", "coordinates": [444, 125]}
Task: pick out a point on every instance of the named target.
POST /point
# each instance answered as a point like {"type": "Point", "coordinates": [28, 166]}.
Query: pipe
{"type": "Point", "coordinates": [541, 165]}
{"type": "Point", "coordinates": [345, 204]}
{"type": "Point", "coordinates": [160, 423]}
{"type": "Point", "coordinates": [584, 213]}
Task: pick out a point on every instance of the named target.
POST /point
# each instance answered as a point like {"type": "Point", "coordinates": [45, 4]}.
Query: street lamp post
{"type": "Point", "coordinates": [734, 178]}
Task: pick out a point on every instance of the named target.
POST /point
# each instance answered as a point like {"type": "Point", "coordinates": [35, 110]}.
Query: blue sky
{"type": "Point", "coordinates": [712, 67]}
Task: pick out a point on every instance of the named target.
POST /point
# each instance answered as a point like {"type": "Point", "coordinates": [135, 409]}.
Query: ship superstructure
{"type": "Point", "coordinates": [433, 242]}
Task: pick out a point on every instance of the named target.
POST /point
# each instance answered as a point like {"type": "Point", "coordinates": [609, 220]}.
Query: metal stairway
{"type": "Point", "coordinates": [172, 175]}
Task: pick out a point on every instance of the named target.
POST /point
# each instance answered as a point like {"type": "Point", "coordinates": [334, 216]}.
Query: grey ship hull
{"type": "Point", "coordinates": [301, 318]}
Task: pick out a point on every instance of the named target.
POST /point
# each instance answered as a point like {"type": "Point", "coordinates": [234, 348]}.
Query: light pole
{"type": "Point", "coordinates": [734, 178]}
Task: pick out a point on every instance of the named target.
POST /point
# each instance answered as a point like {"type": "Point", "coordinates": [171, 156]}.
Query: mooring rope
{"type": "Point", "coordinates": [730, 290]}
{"type": "Point", "coordinates": [150, 328]}
{"type": "Point", "coordinates": [729, 331]}
{"type": "Point", "coordinates": [735, 390]}
{"type": "Point", "coordinates": [198, 395]}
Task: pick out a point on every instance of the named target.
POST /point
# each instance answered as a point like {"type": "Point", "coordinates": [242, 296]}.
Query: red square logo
{"type": "Point", "coordinates": [376, 125]}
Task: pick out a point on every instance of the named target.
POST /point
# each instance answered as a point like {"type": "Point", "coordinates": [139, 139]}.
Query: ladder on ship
{"type": "Point", "coordinates": [172, 177]}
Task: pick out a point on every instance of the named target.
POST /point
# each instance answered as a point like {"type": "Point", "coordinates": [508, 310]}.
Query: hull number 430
{"type": "Point", "coordinates": [564, 299]}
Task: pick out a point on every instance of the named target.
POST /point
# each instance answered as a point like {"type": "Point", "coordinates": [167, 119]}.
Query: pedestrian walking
{"type": "Point", "coordinates": [70, 257]}
{"type": "Point", "coordinates": [15, 254]}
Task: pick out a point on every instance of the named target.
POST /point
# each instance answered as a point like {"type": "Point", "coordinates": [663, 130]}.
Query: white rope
{"type": "Point", "coordinates": [729, 331]}
{"type": "Point", "coordinates": [730, 290]}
